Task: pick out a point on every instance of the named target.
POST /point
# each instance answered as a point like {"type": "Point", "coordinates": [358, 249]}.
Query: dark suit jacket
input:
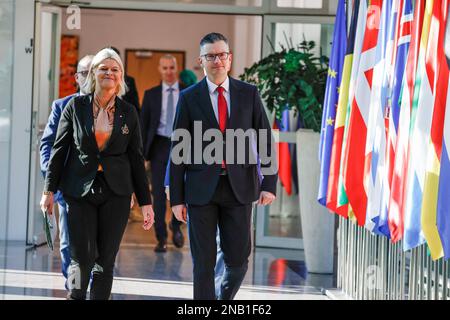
{"type": "Point", "coordinates": [195, 184]}
{"type": "Point", "coordinates": [122, 159]}
{"type": "Point", "coordinates": [49, 135]}
{"type": "Point", "coordinates": [132, 96]}
{"type": "Point", "coordinates": [150, 116]}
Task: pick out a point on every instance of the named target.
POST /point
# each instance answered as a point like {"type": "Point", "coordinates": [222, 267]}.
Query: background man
{"type": "Point", "coordinates": [157, 117]}
{"type": "Point", "coordinates": [48, 138]}
{"type": "Point", "coordinates": [132, 95]}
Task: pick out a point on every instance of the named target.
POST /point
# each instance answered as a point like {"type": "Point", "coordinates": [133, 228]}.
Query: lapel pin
{"type": "Point", "coordinates": [125, 129]}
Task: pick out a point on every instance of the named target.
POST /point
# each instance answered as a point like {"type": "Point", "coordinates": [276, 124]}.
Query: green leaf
{"type": "Point", "coordinates": [294, 77]}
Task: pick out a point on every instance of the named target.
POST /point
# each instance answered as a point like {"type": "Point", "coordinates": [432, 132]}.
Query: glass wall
{"type": "Point", "coordinates": [321, 34]}
{"type": "Point", "coordinates": [6, 67]}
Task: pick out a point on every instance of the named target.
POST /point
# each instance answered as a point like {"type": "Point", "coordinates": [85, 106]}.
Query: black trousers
{"type": "Point", "coordinates": [96, 225]}
{"type": "Point", "coordinates": [160, 152]}
{"type": "Point", "coordinates": [233, 219]}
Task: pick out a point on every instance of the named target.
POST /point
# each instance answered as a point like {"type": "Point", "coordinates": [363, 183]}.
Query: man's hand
{"type": "Point", "coordinates": [180, 212]}
{"type": "Point", "coordinates": [266, 198]}
{"type": "Point", "coordinates": [147, 165]}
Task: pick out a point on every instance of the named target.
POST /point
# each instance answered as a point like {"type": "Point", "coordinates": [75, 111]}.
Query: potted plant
{"type": "Point", "coordinates": [295, 79]}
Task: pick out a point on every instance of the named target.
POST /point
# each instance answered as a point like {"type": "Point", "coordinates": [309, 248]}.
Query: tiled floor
{"type": "Point", "coordinates": [141, 274]}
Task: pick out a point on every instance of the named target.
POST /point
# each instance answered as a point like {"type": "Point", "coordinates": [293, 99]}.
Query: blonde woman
{"type": "Point", "coordinates": [99, 135]}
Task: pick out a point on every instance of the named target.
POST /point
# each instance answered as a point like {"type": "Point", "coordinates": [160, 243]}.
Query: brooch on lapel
{"type": "Point", "coordinates": [125, 130]}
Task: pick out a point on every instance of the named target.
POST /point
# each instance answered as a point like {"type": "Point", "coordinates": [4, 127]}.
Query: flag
{"type": "Point", "coordinates": [400, 170]}
{"type": "Point", "coordinates": [331, 98]}
{"type": "Point", "coordinates": [357, 126]}
{"type": "Point", "coordinates": [443, 202]}
{"type": "Point", "coordinates": [342, 199]}
{"type": "Point", "coordinates": [284, 156]}
{"type": "Point", "coordinates": [336, 150]}
{"type": "Point", "coordinates": [381, 220]}
{"type": "Point", "coordinates": [421, 114]}
{"type": "Point", "coordinates": [403, 39]}
{"type": "Point", "coordinates": [374, 165]}
{"type": "Point", "coordinates": [430, 190]}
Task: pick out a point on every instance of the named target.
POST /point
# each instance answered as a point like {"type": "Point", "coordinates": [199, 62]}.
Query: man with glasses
{"type": "Point", "coordinates": [48, 138]}
{"type": "Point", "coordinates": [219, 194]}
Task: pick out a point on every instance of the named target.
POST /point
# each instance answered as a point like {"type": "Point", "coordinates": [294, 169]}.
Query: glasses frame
{"type": "Point", "coordinates": [227, 55]}
{"type": "Point", "coordinates": [84, 73]}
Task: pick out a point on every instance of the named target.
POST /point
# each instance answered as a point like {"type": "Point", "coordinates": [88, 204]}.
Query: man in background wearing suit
{"type": "Point", "coordinates": [220, 194]}
{"type": "Point", "coordinates": [131, 96]}
{"type": "Point", "coordinates": [47, 141]}
{"type": "Point", "coordinates": [157, 116]}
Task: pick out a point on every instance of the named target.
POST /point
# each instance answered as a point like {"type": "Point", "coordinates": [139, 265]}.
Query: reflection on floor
{"type": "Point", "coordinates": [141, 274]}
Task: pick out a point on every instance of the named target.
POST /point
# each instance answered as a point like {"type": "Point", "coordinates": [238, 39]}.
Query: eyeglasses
{"type": "Point", "coordinates": [212, 57]}
{"type": "Point", "coordinates": [83, 73]}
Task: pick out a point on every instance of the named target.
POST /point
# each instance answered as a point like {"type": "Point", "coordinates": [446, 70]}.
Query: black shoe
{"type": "Point", "coordinates": [161, 247]}
{"type": "Point", "coordinates": [178, 238]}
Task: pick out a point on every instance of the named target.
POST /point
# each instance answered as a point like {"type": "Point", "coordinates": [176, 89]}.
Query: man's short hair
{"type": "Point", "coordinates": [168, 56]}
{"type": "Point", "coordinates": [87, 57]}
{"type": "Point", "coordinates": [115, 50]}
{"type": "Point", "coordinates": [213, 37]}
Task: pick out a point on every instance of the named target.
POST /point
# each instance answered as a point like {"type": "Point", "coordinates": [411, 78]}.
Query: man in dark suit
{"type": "Point", "coordinates": [47, 141]}
{"type": "Point", "coordinates": [131, 96]}
{"type": "Point", "coordinates": [157, 116]}
{"type": "Point", "coordinates": [222, 193]}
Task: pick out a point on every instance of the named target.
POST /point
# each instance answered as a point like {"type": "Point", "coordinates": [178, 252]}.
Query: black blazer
{"type": "Point", "coordinates": [150, 116]}
{"type": "Point", "coordinates": [131, 96]}
{"type": "Point", "coordinates": [122, 160]}
{"type": "Point", "coordinates": [195, 184]}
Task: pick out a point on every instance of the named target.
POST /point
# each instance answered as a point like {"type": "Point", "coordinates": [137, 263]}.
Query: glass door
{"type": "Point", "coordinates": [45, 90]}
{"type": "Point", "coordinates": [279, 225]}
{"type": "Point", "coordinates": [6, 71]}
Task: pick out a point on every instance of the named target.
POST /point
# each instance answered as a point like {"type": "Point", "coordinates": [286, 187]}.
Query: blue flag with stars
{"type": "Point", "coordinates": [331, 98]}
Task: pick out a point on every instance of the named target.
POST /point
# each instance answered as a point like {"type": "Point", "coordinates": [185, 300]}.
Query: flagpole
{"type": "Point", "coordinates": [444, 281]}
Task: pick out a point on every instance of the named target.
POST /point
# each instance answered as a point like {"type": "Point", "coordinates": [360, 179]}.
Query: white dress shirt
{"type": "Point", "coordinates": [214, 95]}
{"type": "Point", "coordinates": [165, 96]}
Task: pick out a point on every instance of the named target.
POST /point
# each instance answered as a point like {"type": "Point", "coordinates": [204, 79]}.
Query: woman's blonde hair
{"type": "Point", "coordinates": [107, 53]}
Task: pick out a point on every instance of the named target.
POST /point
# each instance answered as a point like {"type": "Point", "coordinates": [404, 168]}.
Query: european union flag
{"type": "Point", "coordinates": [331, 98]}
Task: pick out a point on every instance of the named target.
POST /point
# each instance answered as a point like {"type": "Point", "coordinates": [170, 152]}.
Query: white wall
{"type": "Point", "coordinates": [21, 119]}
{"type": "Point", "coordinates": [167, 31]}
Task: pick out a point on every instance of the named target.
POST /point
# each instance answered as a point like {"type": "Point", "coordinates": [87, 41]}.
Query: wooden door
{"type": "Point", "coordinates": [142, 65]}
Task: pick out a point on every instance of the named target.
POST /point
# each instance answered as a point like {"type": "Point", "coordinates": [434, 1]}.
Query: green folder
{"type": "Point", "coordinates": [48, 228]}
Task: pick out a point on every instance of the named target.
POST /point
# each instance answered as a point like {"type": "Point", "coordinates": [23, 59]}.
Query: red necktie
{"type": "Point", "coordinates": [223, 109]}
{"type": "Point", "coordinates": [223, 113]}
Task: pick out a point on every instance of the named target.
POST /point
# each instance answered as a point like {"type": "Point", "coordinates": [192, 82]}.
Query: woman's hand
{"type": "Point", "coordinates": [149, 216]}
{"type": "Point", "coordinates": [47, 203]}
